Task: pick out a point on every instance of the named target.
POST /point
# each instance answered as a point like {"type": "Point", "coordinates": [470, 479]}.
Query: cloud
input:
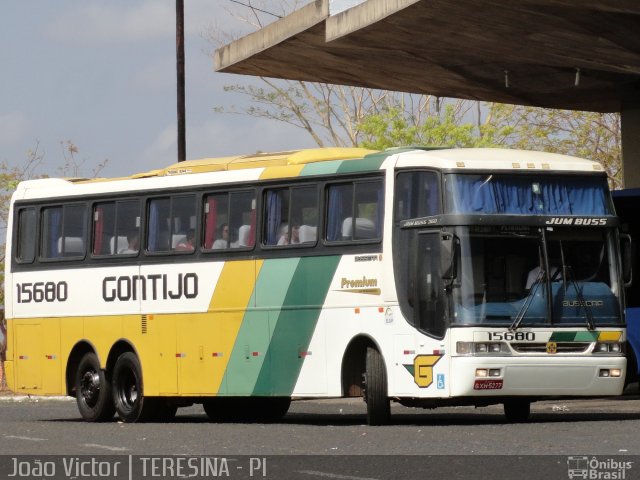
{"type": "Point", "coordinates": [223, 137]}
{"type": "Point", "coordinates": [161, 152]}
{"type": "Point", "coordinates": [13, 127]}
{"type": "Point", "coordinates": [100, 23]}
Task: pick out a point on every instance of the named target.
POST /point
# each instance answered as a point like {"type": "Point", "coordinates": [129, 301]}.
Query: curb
{"type": "Point", "coordinates": [33, 398]}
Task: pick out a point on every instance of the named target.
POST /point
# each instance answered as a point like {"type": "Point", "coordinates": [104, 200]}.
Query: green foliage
{"type": "Point", "coordinates": [393, 127]}
{"type": "Point", "coordinates": [591, 135]}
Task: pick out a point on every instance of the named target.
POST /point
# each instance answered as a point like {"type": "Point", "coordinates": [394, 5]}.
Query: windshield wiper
{"type": "Point", "coordinates": [527, 301]}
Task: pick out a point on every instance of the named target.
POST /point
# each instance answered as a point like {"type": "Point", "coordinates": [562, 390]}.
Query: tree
{"type": "Point", "coordinates": [591, 135]}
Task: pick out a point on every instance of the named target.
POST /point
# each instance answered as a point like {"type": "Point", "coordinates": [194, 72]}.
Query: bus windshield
{"type": "Point", "coordinates": [527, 194]}
{"type": "Point", "coordinates": [526, 276]}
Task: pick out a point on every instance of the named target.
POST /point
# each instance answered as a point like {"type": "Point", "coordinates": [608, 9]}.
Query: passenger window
{"type": "Point", "coordinates": [354, 211]}
{"type": "Point", "coordinates": [26, 246]}
{"type": "Point", "coordinates": [417, 195]}
{"type": "Point", "coordinates": [230, 220]}
{"type": "Point", "coordinates": [291, 216]}
{"type": "Point", "coordinates": [172, 224]}
{"type": "Point", "coordinates": [116, 228]}
{"type": "Point", "coordinates": [63, 231]}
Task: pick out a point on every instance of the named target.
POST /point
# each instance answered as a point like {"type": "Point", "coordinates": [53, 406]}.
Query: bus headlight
{"type": "Point", "coordinates": [481, 348]}
{"type": "Point", "coordinates": [608, 348]}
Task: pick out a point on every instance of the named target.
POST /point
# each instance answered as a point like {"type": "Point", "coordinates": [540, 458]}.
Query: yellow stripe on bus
{"type": "Point", "coordinates": [231, 299]}
{"type": "Point", "coordinates": [609, 336]}
{"type": "Point", "coordinates": [281, 172]}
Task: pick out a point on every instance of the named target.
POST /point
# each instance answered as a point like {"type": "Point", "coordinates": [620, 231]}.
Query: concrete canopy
{"type": "Point", "coordinates": [570, 54]}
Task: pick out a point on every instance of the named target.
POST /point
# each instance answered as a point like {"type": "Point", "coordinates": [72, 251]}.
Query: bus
{"type": "Point", "coordinates": [427, 277]}
{"type": "Point", "coordinates": [627, 205]}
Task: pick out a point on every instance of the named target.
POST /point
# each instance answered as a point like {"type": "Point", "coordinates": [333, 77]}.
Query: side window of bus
{"type": "Point", "coordinates": [354, 211]}
{"type": "Point", "coordinates": [26, 240]}
{"type": "Point", "coordinates": [291, 216]}
{"type": "Point", "coordinates": [172, 224]}
{"type": "Point", "coordinates": [417, 195]}
{"type": "Point", "coordinates": [230, 220]}
{"type": "Point", "coordinates": [63, 231]}
{"type": "Point", "coordinates": [116, 228]}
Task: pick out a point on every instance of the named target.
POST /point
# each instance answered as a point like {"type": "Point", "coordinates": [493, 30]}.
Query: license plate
{"type": "Point", "coordinates": [487, 384]}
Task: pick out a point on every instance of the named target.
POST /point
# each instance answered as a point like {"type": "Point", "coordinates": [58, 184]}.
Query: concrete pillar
{"type": "Point", "coordinates": [630, 131]}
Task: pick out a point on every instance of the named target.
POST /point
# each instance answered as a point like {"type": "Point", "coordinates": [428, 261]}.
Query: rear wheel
{"type": "Point", "coordinates": [375, 389]}
{"type": "Point", "coordinates": [517, 410]}
{"type": "Point", "coordinates": [93, 392]}
{"type": "Point", "coordinates": [128, 390]}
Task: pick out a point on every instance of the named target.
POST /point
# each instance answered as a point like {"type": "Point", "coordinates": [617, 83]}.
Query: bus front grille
{"type": "Point", "coordinates": [561, 347]}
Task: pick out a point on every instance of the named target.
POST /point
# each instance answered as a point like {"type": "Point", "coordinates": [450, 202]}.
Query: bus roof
{"type": "Point", "coordinates": [318, 161]}
{"type": "Point", "coordinates": [493, 159]}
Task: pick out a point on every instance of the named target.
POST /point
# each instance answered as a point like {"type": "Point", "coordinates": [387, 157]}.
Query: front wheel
{"type": "Point", "coordinates": [128, 390]}
{"type": "Point", "coordinates": [93, 392]}
{"type": "Point", "coordinates": [517, 410]}
{"type": "Point", "coordinates": [375, 389]}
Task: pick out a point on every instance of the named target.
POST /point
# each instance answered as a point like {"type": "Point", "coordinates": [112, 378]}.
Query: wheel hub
{"type": "Point", "coordinates": [90, 386]}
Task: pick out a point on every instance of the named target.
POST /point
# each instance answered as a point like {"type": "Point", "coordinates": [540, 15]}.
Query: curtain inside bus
{"type": "Point", "coordinates": [527, 195]}
{"type": "Point", "coordinates": [274, 216]}
{"type": "Point", "coordinates": [210, 222]}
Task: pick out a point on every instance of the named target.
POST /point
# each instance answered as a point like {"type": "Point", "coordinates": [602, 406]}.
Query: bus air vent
{"type": "Point", "coordinates": [143, 324]}
{"type": "Point", "coordinates": [562, 347]}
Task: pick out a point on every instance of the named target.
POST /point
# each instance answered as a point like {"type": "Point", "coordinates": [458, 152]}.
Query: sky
{"type": "Point", "coordinates": [101, 74]}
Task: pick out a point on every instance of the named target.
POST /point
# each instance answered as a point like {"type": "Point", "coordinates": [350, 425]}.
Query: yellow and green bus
{"type": "Point", "coordinates": [422, 276]}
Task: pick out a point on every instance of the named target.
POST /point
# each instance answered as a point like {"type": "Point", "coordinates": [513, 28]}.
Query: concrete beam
{"type": "Point", "coordinates": [362, 16]}
{"type": "Point", "coordinates": [272, 35]}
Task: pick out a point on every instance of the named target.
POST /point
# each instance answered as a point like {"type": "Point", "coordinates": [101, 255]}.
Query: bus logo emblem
{"type": "Point", "coordinates": [552, 347]}
{"type": "Point", "coordinates": [422, 369]}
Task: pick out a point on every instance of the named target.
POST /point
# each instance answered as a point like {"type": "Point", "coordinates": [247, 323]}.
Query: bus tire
{"type": "Point", "coordinates": [517, 410]}
{"type": "Point", "coordinates": [128, 390]}
{"type": "Point", "coordinates": [375, 389]}
{"type": "Point", "coordinates": [93, 392]}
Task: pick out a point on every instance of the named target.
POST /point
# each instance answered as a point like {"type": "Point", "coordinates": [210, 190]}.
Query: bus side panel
{"type": "Point", "coordinates": [172, 299]}
{"type": "Point", "coordinates": [248, 355]}
{"type": "Point", "coordinates": [196, 335]}
{"type": "Point", "coordinates": [28, 366]}
{"type": "Point", "coordinates": [157, 350]}
{"type": "Point", "coordinates": [295, 326]}
{"type": "Point", "coordinates": [37, 366]}
{"type": "Point", "coordinates": [52, 371]}
{"type": "Point", "coordinates": [250, 359]}
{"type": "Point", "coordinates": [231, 299]}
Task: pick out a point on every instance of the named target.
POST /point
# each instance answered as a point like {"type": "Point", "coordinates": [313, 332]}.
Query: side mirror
{"type": "Point", "coordinates": [448, 256]}
{"type": "Point", "coordinates": [626, 250]}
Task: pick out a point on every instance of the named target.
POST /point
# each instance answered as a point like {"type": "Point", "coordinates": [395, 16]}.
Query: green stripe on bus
{"type": "Point", "coordinates": [369, 163]}
{"type": "Point", "coordinates": [295, 325]}
{"type": "Point", "coordinates": [321, 168]}
{"type": "Point", "coordinates": [574, 337]}
{"type": "Point", "coordinates": [249, 352]}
